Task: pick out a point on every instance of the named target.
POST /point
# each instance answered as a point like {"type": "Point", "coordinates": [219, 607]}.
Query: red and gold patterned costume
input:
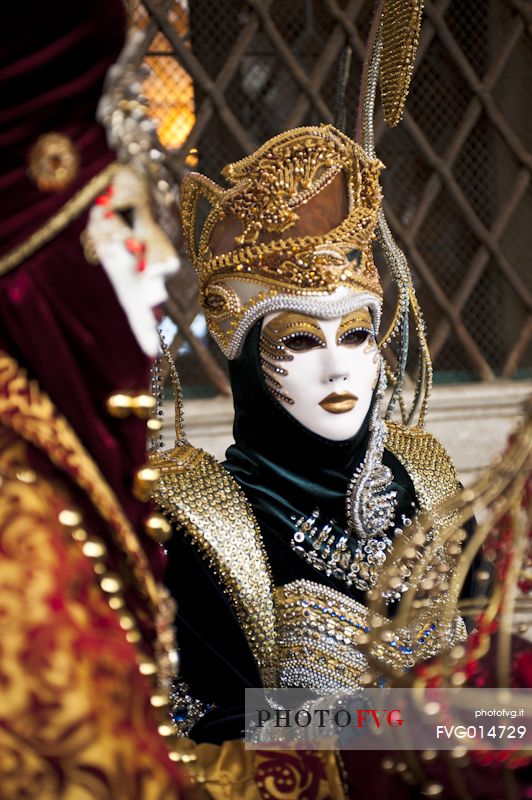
{"type": "Point", "coordinates": [83, 618]}
{"type": "Point", "coordinates": [75, 718]}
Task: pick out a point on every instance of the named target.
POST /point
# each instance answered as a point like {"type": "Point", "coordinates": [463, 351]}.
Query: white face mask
{"type": "Point", "coordinates": [135, 253]}
{"type": "Point", "coordinates": [324, 370]}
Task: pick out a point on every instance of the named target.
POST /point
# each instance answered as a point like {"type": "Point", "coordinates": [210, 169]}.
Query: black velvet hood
{"type": "Point", "coordinates": [287, 471]}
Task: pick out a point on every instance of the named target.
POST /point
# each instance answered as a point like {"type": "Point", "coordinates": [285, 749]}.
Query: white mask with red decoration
{"type": "Point", "coordinates": [135, 253]}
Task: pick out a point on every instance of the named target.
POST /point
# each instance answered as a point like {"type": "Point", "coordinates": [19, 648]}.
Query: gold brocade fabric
{"type": "Point", "coordinates": [75, 715]}
{"type": "Point", "coordinates": [28, 411]}
{"type": "Point", "coordinates": [230, 772]}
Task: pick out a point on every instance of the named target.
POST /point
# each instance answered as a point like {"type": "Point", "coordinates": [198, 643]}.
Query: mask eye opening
{"type": "Point", "coordinates": [302, 341]}
{"type": "Point", "coordinates": [127, 215]}
{"type": "Point", "coordinates": [363, 335]}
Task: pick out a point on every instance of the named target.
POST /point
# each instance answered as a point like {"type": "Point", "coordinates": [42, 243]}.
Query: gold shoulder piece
{"type": "Point", "coordinates": [427, 462]}
{"type": "Point", "coordinates": [198, 494]}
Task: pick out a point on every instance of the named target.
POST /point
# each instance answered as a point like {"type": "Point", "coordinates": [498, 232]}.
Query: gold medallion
{"type": "Point", "coordinates": [53, 162]}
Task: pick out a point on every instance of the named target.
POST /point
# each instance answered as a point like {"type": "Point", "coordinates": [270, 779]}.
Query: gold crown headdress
{"type": "Point", "coordinates": [270, 243]}
{"type": "Point", "coordinates": [294, 231]}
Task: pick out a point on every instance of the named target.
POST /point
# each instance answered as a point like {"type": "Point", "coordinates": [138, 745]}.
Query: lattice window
{"type": "Point", "coordinates": [229, 75]}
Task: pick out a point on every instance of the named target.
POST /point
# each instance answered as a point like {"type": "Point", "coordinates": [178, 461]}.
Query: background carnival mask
{"type": "Point", "coordinates": [136, 254]}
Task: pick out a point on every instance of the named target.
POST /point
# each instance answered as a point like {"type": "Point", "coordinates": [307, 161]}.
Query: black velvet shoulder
{"type": "Point", "coordinates": [216, 661]}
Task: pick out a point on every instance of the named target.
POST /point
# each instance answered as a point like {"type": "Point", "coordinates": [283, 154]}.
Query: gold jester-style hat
{"type": "Point", "coordinates": [293, 232]}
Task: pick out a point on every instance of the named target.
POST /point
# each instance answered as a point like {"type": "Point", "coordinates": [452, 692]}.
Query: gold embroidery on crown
{"type": "Point", "coordinates": [268, 187]}
{"type": "Point", "coordinates": [291, 171]}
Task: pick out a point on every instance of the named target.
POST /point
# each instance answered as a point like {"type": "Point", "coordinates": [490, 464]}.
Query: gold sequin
{"type": "Point", "coordinates": [400, 27]}
{"type": "Point", "coordinates": [427, 462]}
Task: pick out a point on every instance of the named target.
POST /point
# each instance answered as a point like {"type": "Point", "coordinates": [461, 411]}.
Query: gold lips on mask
{"type": "Point", "coordinates": [339, 402]}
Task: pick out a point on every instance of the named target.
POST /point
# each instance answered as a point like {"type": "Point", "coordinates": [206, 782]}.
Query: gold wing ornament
{"type": "Point", "coordinates": [501, 608]}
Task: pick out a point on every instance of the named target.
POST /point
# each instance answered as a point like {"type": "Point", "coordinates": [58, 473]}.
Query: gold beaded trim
{"type": "Point", "coordinates": [53, 227]}
{"type": "Point", "coordinates": [204, 500]}
{"type": "Point", "coordinates": [299, 265]}
{"type": "Point", "coordinates": [429, 560]}
{"type": "Point", "coordinates": [322, 636]}
{"type": "Point", "coordinates": [427, 462]}
{"type": "Point", "coordinates": [158, 671]}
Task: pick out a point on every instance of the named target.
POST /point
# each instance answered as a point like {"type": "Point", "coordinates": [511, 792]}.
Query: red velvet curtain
{"type": "Point", "coordinates": [59, 316]}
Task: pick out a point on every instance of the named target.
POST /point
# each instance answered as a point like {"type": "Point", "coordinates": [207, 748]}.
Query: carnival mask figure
{"type": "Point", "coordinates": [297, 523]}
{"type": "Point", "coordinates": [87, 627]}
{"type": "Point", "coordinates": [134, 251]}
{"type": "Point", "coordinates": [324, 370]}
